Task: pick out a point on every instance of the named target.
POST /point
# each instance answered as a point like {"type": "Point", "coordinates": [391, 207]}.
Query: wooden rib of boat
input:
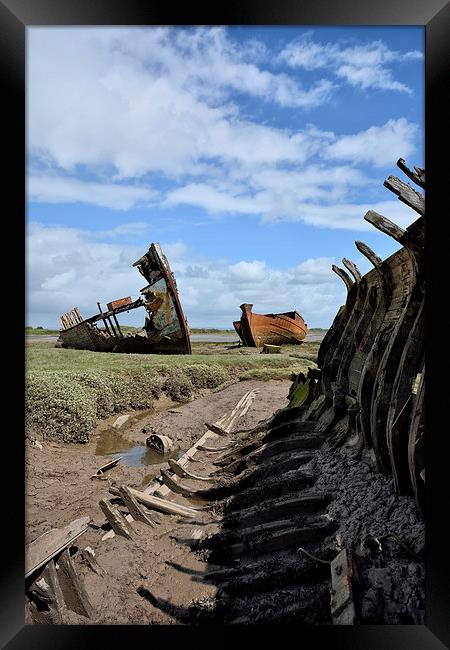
{"type": "Point", "coordinates": [165, 330]}
{"type": "Point", "coordinates": [255, 330]}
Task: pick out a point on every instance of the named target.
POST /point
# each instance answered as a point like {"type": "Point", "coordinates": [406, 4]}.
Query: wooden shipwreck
{"type": "Point", "coordinates": [255, 330]}
{"type": "Point", "coordinates": [370, 389]}
{"type": "Point", "coordinates": [165, 330]}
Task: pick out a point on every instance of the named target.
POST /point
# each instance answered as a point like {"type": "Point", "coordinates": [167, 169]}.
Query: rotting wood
{"type": "Point", "coordinates": [45, 547]}
{"type": "Point", "coordinates": [118, 522]}
{"type": "Point", "coordinates": [342, 606]}
{"type": "Point", "coordinates": [215, 449]}
{"type": "Point", "coordinates": [417, 178]}
{"type": "Point", "coordinates": [216, 429]}
{"type": "Point", "coordinates": [385, 225]}
{"type": "Point", "coordinates": [106, 467]}
{"type": "Point", "coordinates": [406, 194]}
{"type": "Point", "coordinates": [75, 595]}
{"type": "Point", "coordinates": [369, 253]}
{"type": "Point", "coordinates": [88, 556]}
{"type": "Point", "coordinates": [47, 590]}
{"type": "Point", "coordinates": [184, 473]}
{"type": "Point", "coordinates": [156, 503]}
{"type": "Point", "coordinates": [135, 509]}
{"type": "Point", "coordinates": [178, 488]}
{"type": "Point", "coordinates": [351, 266]}
{"type": "Point", "coordinates": [271, 509]}
{"type": "Point", "coordinates": [277, 541]}
{"type": "Point", "coordinates": [343, 275]}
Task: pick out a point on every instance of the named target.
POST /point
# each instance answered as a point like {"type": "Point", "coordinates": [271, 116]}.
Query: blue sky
{"type": "Point", "coordinates": [251, 154]}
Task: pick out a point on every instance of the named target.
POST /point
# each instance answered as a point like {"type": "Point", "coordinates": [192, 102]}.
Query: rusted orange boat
{"type": "Point", "coordinates": [255, 330]}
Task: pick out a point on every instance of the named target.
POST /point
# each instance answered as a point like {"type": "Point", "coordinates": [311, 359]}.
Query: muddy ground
{"type": "Point", "coordinates": [158, 577]}
{"type": "Point", "coordinates": [59, 489]}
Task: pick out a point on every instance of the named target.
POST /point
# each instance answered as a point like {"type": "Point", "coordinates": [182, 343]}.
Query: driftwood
{"type": "Point", "coordinates": [351, 266]}
{"type": "Point", "coordinates": [342, 607]}
{"type": "Point", "coordinates": [369, 253]}
{"type": "Point", "coordinates": [135, 509]}
{"type": "Point", "coordinates": [118, 522]}
{"type": "Point", "coordinates": [406, 194]}
{"type": "Point", "coordinates": [155, 503]}
{"type": "Point", "coordinates": [105, 468]}
{"type": "Point", "coordinates": [75, 595]}
{"type": "Point", "coordinates": [45, 547]}
{"type": "Point", "coordinates": [344, 276]}
{"type": "Point", "coordinates": [184, 473]}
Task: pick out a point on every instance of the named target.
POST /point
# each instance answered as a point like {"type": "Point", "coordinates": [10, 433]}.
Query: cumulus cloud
{"type": "Point", "coordinates": [157, 108]}
{"type": "Point", "coordinates": [364, 66]}
{"type": "Point", "coordinates": [377, 145]}
{"type": "Point", "coordinates": [67, 267]}
{"type": "Point", "coordinates": [51, 188]}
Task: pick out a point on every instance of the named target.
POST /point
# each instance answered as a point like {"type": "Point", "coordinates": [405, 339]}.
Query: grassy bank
{"type": "Point", "coordinates": [68, 391]}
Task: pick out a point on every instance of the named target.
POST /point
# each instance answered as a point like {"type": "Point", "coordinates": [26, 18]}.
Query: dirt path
{"type": "Point", "coordinates": [59, 489]}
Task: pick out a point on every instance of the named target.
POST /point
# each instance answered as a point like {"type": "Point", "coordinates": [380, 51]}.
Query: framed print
{"type": "Point", "coordinates": [240, 443]}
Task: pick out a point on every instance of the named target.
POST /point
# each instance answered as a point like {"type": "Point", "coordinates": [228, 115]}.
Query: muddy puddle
{"type": "Point", "coordinates": [115, 442]}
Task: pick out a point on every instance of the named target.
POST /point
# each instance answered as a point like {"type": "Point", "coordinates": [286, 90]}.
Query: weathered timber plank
{"type": "Point", "coordinates": [343, 275]}
{"type": "Point", "coordinates": [385, 225]}
{"type": "Point", "coordinates": [415, 177]}
{"type": "Point", "coordinates": [351, 266]}
{"type": "Point", "coordinates": [406, 194]}
{"type": "Point", "coordinates": [136, 511]}
{"type": "Point", "coordinates": [342, 606]}
{"type": "Point", "coordinates": [369, 253]}
{"type": "Point", "coordinates": [184, 473]}
{"type": "Point", "coordinates": [118, 522]}
{"type": "Point", "coordinates": [162, 505]}
{"type": "Point", "coordinates": [42, 549]}
{"type": "Point", "coordinates": [75, 595]}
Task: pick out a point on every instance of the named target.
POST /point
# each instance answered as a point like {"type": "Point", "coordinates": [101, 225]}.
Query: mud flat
{"type": "Point", "coordinates": [59, 489]}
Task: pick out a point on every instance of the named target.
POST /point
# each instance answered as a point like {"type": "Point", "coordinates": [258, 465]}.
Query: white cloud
{"type": "Point", "coordinates": [377, 145]}
{"type": "Point", "coordinates": [152, 108]}
{"type": "Point", "coordinates": [364, 66]}
{"type": "Point", "coordinates": [59, 189]}
{"type": "Point", "coordinates": [66, 267]}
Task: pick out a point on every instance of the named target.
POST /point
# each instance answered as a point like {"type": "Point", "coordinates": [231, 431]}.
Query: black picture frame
{"type": "Point", "coordinates": [434, 15]}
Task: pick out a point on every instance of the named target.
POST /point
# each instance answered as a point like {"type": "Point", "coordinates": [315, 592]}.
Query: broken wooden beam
{"type": "Point", "coordinates": [351, 266]}
{"type": "Point", "coordinates": [106, 467]}
{"type": "Point", "coordinates": [418, 179]}
{"type": "Point", "coordinates": [45, 547]}
{"type": "Point", "coordinates": [75, 595]}
{"type": "Point", "coordinates": [216, 429]}
{"type": "Point", "coordinates": [118, 522]}
{"type": "Point", "coordinates": [184, 473]}
{"type": "Point", "coordinates": [369, 253]}
{"type": "Point", "coordinates": [47, 591]}
{"type": "Point", "coordinates": [406, 194]}
{"type": "Point", "coordinates": [155, 503]}
{"type": "Point", "coordinates": [342, 606]}
{"type": "Point", "coordinates": [135, 509]}
{"type": "Point", "coordinates": [385, 225]}
{"type": "Point", "coordinates": [88, 556]}
{"type": "Point", "coordinates": [343, 275]}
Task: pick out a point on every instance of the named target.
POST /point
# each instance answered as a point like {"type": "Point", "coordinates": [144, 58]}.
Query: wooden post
{"type": "Point", "coordinates": [117, 325]}
{"type": "Point", "coordinates": [104, 319]}
{"type": "Point", "coordinates": [343, 275]}
{"type": "Point", "coordinates": [369, 253]}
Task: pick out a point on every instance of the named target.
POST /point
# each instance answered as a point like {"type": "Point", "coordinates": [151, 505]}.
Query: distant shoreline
{"type": "Point", "coordinates": [41, 331]}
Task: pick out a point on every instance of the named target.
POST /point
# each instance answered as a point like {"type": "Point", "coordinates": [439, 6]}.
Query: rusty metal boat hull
{"type": "Point", "coordinates": [165, 330]}
{"type": "Point", "coordinates": [255, 330]}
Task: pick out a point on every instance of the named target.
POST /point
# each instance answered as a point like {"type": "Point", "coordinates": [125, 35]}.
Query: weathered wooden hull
{"type": "Point", "coordinates": [255, 330]}
{"type": "Point", "coordinates": [371, 389]}
{"type": "Point", "coordinates": [165, 330]}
